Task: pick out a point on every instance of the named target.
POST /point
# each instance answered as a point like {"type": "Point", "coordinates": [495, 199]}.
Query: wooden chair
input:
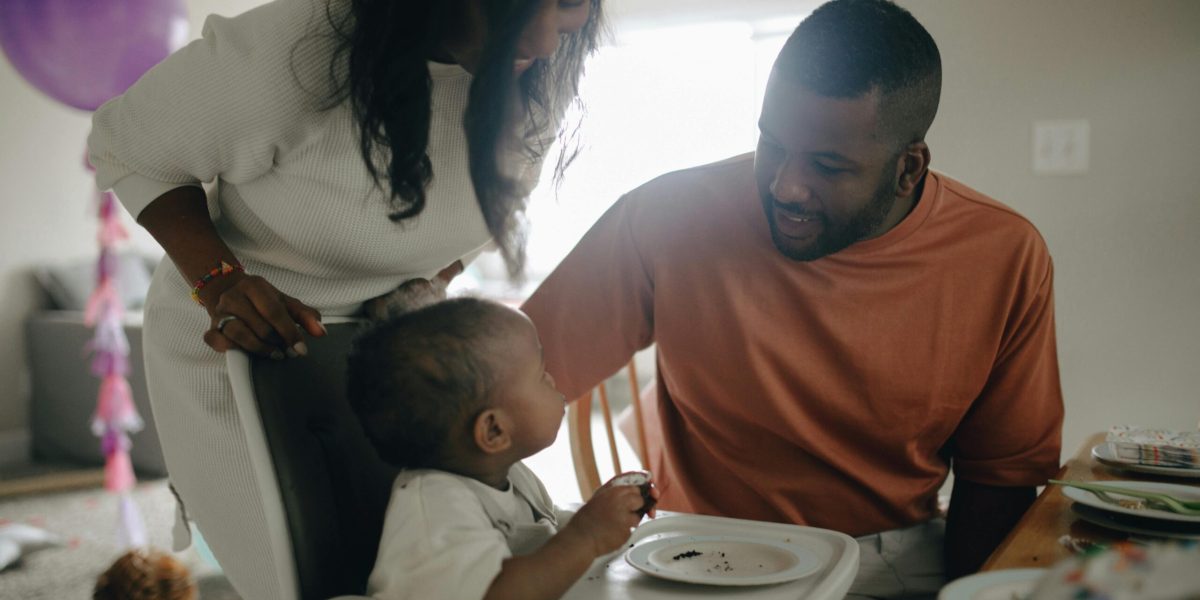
{"type": "Point", "coordinates": [579, 428]}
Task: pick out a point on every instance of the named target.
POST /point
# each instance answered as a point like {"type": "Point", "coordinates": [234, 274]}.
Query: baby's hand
{"type": "Point", "coordinates": [605, 521]}
{"type": "Point", "coordinates": [644, 482]}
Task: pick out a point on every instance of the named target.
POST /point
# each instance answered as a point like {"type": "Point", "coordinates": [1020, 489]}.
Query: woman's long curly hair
{"type": "Point", "coordinates": [383, 48]}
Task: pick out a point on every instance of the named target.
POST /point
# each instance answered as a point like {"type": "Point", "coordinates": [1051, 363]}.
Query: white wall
{"type": "Point", "coordinates": [1122, 235]}
{"type": "Point", "coordinates": [46, 214]}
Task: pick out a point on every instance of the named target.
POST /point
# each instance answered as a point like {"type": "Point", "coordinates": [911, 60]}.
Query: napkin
{"type": "Point", "coordinates": [1157, 447]}
{"type": "Point", "coordinates": [17, 540]}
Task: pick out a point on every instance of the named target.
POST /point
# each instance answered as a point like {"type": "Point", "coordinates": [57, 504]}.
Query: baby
{"type": "Point", "coordinates": [456, 394]}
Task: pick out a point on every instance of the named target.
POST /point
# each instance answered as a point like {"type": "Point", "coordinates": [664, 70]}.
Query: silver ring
{"type": "Point", "coordinates": [223, 321]}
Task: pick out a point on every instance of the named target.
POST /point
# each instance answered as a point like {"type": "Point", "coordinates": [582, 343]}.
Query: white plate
{"type": "Point", "coordinates": [1135, 525]}
{"type": "Point", "coordinates": [1103, 455]}
{"type": "Point", "coordinates": [1004, 584]}
{"type": "Point", "coordinates": [723, 560]}
{"type": "Point", "coordinates": [1183, 492]}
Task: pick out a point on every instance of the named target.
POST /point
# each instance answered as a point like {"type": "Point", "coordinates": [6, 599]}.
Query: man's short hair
{"type": "Point", "coordinates": [848, 48]}
{"type": "Point", "coordinates": [412, 379]}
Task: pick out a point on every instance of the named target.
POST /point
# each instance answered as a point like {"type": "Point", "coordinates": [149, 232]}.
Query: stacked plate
{"type": "Point", "coordinates": [1105, 455]}
{"type": "Point", "coordinates": [1132, 516]}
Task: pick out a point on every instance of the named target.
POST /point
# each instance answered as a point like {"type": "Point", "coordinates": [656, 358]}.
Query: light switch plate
{"type": "Point", "coordinates": [1060, 147]}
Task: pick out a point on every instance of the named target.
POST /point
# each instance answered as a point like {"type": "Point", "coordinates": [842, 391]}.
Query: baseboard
{"type": "Point", "coordinates": [15, 445]}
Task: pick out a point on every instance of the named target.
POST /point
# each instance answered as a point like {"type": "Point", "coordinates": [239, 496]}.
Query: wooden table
{"type": "Point", "coordinates": [1034, 541]}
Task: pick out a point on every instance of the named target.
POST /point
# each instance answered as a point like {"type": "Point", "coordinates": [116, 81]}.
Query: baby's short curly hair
{"type": "Point", "coordinates": [413, 378]}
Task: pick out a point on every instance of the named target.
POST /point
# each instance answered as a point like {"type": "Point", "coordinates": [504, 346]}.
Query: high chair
{"type": "Point", "coordinates": [324, 489]}
{"type": "Point", "coordinates": [579, 429]}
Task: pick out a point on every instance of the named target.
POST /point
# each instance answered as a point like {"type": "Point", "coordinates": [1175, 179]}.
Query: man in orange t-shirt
{"type": "Point", "coordinates": [837, 326]}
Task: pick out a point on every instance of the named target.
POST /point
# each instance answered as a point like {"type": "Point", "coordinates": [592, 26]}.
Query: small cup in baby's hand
{"type": "Point", "coordinates": [642, 480]}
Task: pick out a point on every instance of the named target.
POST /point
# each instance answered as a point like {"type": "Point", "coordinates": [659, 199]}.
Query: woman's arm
{"type": "Point", "coordinates": [267, 319]}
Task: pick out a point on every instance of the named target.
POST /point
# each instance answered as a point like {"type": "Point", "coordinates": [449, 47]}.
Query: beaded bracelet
{"type": "Point", "coordinates": [219, 271]}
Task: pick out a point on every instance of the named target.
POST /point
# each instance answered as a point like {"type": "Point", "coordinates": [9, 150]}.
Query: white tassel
{"type": "Point", "coordinates": [132, 533]}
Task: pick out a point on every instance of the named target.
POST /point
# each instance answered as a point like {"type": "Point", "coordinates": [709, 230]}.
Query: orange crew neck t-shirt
{"type": "Point", "coordinates": [835, 393]}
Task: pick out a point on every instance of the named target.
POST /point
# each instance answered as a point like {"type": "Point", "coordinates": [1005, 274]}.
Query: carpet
{"type": "Point", "coordinates": [87, 521]}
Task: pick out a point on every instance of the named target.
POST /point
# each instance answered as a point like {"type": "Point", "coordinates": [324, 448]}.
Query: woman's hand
{"type": "Point", "coordinates": [605, 521]}
{"type": "Point", "coordinates": [412, 294]}
{"type": "Point", "coordinates": [249, 314]}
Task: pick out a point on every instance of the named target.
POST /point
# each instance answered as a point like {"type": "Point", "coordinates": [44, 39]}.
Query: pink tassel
{"type": "Point", "coordinates": [106, 266]}
{"type": "Point", "coordinates": [118, 472]}
{"type": "Point", "coordinates": [113, 440]}
{"type": "Point", "coordinates": [109, 338]}
{"type": "Point", "coordinates": [115, 408]}
{"type": "Point", "coordinates": [115, 412]}
{"type": "Point", "coordinates": [111, 229]}
{"type": "Point", "coordinates": [103, 302]}
{"type": "Point", "coordinates": [107, 206]}
{"type": "Point", "coordinates": [108, 363]}
{"type": "Point", "coordinates": [132, 533]}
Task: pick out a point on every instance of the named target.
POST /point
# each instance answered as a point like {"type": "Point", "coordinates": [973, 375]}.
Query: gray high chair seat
{"type": "Point", "coordinates": [324, 488]}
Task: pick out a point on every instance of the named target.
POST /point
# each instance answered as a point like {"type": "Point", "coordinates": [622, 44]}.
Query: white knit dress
{"type": "Point", "coordinates": [295, 203]}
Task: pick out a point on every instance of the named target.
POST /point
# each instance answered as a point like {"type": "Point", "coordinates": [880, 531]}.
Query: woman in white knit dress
{"type": "Point", "coordinates": [355, 145]}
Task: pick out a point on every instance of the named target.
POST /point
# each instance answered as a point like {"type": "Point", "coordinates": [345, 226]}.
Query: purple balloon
{"type": "Point", "coordinates": [84, 52]}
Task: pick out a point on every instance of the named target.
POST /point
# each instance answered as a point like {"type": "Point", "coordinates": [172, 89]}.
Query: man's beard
{"type": "Point", "coordinates": [835, 238]}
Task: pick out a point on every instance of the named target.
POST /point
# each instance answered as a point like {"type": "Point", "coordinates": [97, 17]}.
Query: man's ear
{"type": "Point", "coordinates": [492, 431]}
{"type": "Point", "coordinates": [913, 164]}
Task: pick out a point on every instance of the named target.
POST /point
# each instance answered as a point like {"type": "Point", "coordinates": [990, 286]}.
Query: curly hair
{"type": "Point", "coordinates": [412, 379]}
{"type": "Point", "coordinates": [380, 65]}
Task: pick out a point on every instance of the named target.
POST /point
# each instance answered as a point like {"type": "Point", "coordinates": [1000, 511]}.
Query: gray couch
{"type": "Point", "coordinates": [63, 389]}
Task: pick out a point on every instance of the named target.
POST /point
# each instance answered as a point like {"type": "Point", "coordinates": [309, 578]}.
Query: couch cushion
{"type": "Point", "coordinates": [70, 284]}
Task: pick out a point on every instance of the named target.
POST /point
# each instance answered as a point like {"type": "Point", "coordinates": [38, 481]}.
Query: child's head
{"type": "Point", "coordinates": [145, 574]}
{"type": "Point", "coordinates": [458, 381]}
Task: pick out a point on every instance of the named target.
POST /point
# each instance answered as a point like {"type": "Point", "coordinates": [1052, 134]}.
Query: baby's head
{"type": "Point", "coordinates": [454, 385]}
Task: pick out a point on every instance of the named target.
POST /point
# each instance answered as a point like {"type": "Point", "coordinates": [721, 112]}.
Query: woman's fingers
{"type": "Point", "coordinates": [241, 303]}
{"type": "Point", "coordinates": [264, 320]}
{"type": "Point", "coordinates": [238, 334]}
{"type": "Point", "coordinates": [217, 341]}
{"type": "Point", "coordinates": [450, 272]}
{"type": "Point", "coordinates": [306, 316]}
{"type": "Point", "coordinates": [277, 328]}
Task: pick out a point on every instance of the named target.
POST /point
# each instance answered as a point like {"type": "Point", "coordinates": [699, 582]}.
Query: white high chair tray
{"type": "Point", "coordinates": [613, 577]}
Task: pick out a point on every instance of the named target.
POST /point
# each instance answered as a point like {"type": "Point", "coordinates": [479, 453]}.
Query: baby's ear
{"type": "Point", "coordinates": [492, 431]}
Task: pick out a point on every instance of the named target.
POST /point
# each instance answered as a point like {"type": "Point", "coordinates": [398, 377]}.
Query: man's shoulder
{"type": "Point", "coordinates": [682, 208]}
{"type": "Point", "coordinates": [995, 231]}
{"type": "Point", "coordinates": [717, 180]}
{"type": "Point", "coordinates": [984, 212]}
{"type": "Point", "coordinates": [969, 199]}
